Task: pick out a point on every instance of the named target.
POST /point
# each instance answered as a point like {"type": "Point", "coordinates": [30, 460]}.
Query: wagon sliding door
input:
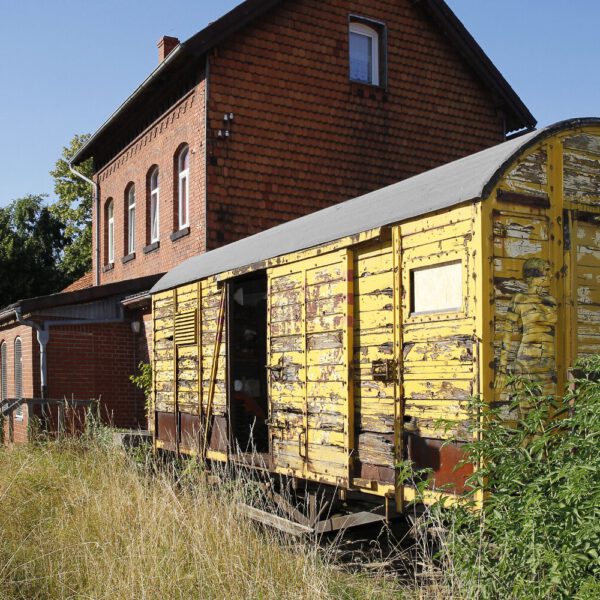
{"type": "Point", "coordinates": [585, 250]}
{"type": "Point", "coordinates": [309, 359]}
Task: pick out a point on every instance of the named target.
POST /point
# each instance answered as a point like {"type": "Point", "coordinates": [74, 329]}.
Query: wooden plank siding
{"type": "Point", "coordinates": [309, 333]}
{"type": "Point", "coordinates": [437, 347]}
{"type": "Point", "coordinates": [522, 293]}
{"type": "Point", "coordinates": [374, 401]}
{"type": "Point", "coordinates": [562, 323]}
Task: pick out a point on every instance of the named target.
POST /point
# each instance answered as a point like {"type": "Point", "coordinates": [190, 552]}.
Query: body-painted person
{"type": "Point", "coordinates": [532, 315]}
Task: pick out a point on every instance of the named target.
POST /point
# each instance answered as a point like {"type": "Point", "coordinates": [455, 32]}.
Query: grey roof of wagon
{"type": "Point", "coordinates": [469, 178]}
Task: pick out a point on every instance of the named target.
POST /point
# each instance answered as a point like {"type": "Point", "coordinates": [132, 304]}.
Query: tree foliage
{"type": "Point", "coordinates": [31, 246]}
{"type": "Point", "coordinates": [73, 208]}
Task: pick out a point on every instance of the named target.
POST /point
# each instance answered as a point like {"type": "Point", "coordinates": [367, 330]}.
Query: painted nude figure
{"type": "Point", "coordinates": [532, 316]}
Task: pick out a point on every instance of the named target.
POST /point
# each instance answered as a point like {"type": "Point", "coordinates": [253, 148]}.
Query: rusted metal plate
{"type": "Point", "coordinates": [443, 458]}
{"type": "Point", "coordinates": [218, 434]}
{"type": "Point", "coordinates": [166, 427]}
{"type": "Point", "coordinates": [376, 473]}
{"type": "Point", "coordinates": [190, 430]}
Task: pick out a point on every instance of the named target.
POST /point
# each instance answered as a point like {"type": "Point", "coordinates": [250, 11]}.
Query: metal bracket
{"type": "Point", "coordinates": [384, 370]}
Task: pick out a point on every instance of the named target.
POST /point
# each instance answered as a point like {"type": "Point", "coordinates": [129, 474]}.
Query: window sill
{"type": "Point", "coordinates": [108, 267]}
{"type": "Point", "coordinates": [176, 235]}
{"type": "Point", "coordinates": [368, 90]}
{"type": "Point", "coordinates": [151, 247]}
{"type": "Point", "coordinates": [128, 258]}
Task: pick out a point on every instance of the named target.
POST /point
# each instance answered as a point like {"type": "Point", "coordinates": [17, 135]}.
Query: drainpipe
{"type": "Point", "coordinates": [42, 336]}
{"type": "Point", "coordinates": [96, 200]}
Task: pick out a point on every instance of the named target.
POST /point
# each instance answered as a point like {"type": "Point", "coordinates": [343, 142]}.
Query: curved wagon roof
{"type": "Point", "coordinates": [468, 179]}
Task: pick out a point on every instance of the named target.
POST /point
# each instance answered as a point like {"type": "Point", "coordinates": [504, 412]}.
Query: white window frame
{"type": "Point", "coordinates": [154, 205]}
{"type": "Point", "coordinates": [18, 368]}
{"type": "Point", "coordinates": [131, 219]}
{"type": "Point", "coordinates": [110, 213]}
{"type": "Point", "coordinates": [358, 28]}
{"type": "Point", "coordinates": [183, 186]}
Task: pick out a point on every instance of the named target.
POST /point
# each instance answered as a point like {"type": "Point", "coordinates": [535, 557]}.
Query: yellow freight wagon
{"type": "Point", "coordinates": [327, 349]}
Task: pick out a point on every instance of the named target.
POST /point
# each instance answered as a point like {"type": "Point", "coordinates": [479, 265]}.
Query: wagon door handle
{"type": "Point", "coordinates": [301, 444]}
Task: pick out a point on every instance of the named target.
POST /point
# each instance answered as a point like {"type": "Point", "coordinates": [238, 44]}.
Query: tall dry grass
{"type": "Point", "coordinates": [89, 522]}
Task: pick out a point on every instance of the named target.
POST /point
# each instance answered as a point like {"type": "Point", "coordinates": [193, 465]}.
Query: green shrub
{"type": "Point", "coordinates": [143, 381]}
{"type": "Point", "coordinates": [538, 534]}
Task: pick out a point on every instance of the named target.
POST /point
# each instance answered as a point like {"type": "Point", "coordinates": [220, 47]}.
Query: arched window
{"type": "Point", "coordinates": [18, 372]}
{"type": "Point", "coordinates": [3, 373]}
{"type": "Point", "coordinates": [154, 206]}
{"type": "Point", "coordinates": [130, 219]}
{"type": "Point", "coordinates": [183, 187]}
{"type": "Point", "coordinates": [110, 232]}
{"type": "Point", "coordinates": [364, 44]}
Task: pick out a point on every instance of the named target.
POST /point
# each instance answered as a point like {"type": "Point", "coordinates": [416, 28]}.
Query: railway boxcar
{"type": "Point", "coordinates": [327, 349]}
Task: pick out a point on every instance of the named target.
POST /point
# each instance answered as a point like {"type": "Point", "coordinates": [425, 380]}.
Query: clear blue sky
{"type": "Point", "coordinates": [67, 64]}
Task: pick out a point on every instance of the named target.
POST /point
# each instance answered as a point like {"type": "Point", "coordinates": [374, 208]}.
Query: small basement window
{"type": "Point", "coordinates": [366, 52]}
{"type": "Point", "coordinates": [437, 288]}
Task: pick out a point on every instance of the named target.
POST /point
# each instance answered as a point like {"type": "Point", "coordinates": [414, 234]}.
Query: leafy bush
{"type": "Point", "coordinates": [538, 534]}
{"type": "Point", "coordinates": [143, 381]}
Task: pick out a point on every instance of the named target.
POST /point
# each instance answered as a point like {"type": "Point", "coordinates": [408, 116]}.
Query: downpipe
{"type": "Point", "coordinates": [43, 336]}
{"type": "Point", "coordinates": [96, 200]}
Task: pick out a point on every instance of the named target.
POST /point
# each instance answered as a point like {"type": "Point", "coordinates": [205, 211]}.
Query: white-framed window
{"type": "Point", "coordinates": [183, 187]}
{"type": "Point", "coordinates": [365, 59]}
{"type": "Point", "coordinates": [18, 372]}
{"type": "Point", "coordinates": [131, 219]}
{"type": "Point", "coordinates": [110, 232]}
{"type": "Point", "coordinates": [154, 206]}
{"type": "Point", "coordinates": [3, 373]}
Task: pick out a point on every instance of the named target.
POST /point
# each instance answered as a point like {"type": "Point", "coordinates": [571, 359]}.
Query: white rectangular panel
{"type": "Point", "coordinates": [437, 288]}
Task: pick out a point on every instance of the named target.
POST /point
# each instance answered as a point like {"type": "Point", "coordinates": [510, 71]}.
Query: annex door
{"type": "Point", "coordinates": [309, 355]}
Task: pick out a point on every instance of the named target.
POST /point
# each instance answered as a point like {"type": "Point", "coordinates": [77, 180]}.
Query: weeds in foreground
{"type": "Point", "coordinates": [82, 520]}
{"type": "Point", "coordinates": [538, 534]}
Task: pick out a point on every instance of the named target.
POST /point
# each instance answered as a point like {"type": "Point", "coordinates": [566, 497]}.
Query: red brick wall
{"type": "Point", "coordinates": [30, 370]}
{"type": "Point", "coordinates": [157, 146]}
{"type": "Point", "coordinates": [96, 361]}
{"type": "Point", "coordinates": [304, 136]}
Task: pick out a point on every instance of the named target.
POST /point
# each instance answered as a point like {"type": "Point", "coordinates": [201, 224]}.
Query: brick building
{"type": "Point", "coordinates": [275, 110]}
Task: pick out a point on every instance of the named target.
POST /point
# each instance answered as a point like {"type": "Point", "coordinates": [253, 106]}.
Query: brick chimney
{"type": "Point", "coordinates": [166, 45]}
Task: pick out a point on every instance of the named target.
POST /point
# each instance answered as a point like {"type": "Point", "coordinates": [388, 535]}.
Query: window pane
{"type": "Point", "coordinates": [154, 180]}
{"type": "Point", "coordinates": [437, 288]}
{"type": "Point", "coordinates": [154, 216]}
{"type": "Point", "coordinates": [184, 160]}
{"type": "Point", "coordinates": [183, 202]}
{"type": "Point", "coordinates": [361, 57]}
{"type": "Point", "coordinates": [131, 219]}
{"type": "Point", "coordinates": [111, 241]}
{"type": "Point", "coordinates": [131, 196]}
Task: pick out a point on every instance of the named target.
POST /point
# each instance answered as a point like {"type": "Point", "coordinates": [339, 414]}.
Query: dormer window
{"type": "Point", "coordinates": [365, 52]}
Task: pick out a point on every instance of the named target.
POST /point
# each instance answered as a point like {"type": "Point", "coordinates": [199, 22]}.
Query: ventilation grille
{"type": "Point", "coordinates": [186, 328]}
